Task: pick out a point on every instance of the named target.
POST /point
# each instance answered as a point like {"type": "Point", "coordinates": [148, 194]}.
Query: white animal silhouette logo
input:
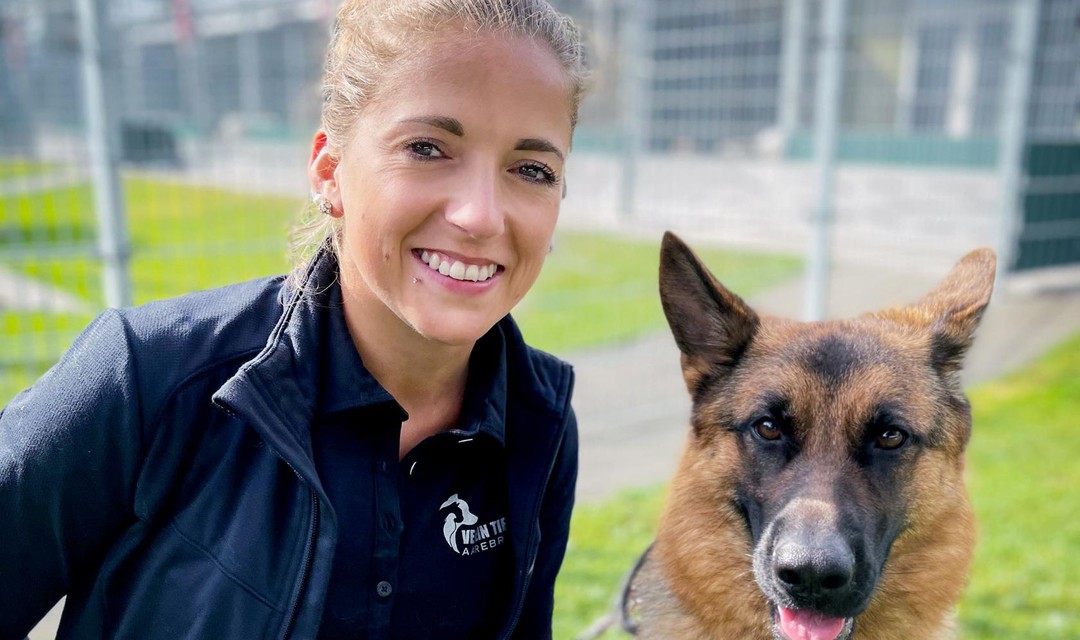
{"type": "Point", "coordinates": [454, 522]}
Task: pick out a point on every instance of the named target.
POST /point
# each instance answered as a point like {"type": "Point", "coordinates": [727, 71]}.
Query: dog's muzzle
{"type": "Point", "coordinates": [814, 578]}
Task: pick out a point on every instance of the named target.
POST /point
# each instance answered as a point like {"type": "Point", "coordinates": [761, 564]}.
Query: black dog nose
{"type": "Point", "coordinates": [806, 571]}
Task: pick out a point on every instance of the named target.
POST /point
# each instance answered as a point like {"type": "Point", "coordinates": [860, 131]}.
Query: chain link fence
{"type": "Point", "coordinates": [936, 127]}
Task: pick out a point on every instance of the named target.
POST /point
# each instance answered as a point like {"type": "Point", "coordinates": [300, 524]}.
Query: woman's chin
{"type": "Point", "coordinates": [454, 329]}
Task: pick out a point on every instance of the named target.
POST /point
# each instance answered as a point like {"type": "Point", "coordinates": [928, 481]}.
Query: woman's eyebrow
{"type": "Point", "coordinates": [446, 123]}
{"type": "Point", "coordinates": [538, 144]}
{"type": "Point", "coordinates": [453, 125]}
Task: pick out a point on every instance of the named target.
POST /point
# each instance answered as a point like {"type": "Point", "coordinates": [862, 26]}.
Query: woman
{"type": "Point", "coordinates": [368, 449]}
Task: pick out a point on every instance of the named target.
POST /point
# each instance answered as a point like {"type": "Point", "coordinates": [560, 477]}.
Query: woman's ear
{"type": "Point", "coordinates": [322, 173]}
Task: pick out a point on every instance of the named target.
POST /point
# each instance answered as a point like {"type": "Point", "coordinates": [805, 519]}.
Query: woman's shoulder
{"type": "Point", "coordinates": [240, 314]}
{"type": "Point", "coordinates": [171, 343]}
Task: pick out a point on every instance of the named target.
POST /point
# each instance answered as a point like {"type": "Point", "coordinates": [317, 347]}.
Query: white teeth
{"type": "Point", "coordinates": [456, 269]}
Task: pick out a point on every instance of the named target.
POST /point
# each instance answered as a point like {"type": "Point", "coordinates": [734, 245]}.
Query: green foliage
{"type": "Point", "coordinates": [1023, 478]}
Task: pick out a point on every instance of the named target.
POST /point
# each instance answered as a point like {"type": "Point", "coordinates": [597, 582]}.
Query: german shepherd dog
{"type": "Point", "coordinates": [820, 495]}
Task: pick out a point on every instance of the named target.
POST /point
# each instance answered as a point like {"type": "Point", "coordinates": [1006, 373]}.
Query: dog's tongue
{"type": "Point", "coordinates": [805, 625]}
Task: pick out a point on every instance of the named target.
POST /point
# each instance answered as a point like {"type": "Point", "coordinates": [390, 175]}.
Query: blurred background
{"type": "Point", "coordinates": [825, 156]}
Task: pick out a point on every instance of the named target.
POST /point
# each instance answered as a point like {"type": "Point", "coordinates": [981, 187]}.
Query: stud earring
{"type": "Point", "coordinates": [322, 204]}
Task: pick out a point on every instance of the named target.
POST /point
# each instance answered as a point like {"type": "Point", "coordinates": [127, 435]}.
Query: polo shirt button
{"type": "Point", "coordinates": [384, 589]}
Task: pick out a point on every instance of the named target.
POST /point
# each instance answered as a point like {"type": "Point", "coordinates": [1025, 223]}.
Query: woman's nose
{"type": "Point", "coordinates": [477, 210]}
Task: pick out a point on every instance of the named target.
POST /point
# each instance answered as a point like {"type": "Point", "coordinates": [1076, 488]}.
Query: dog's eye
{"type": "Point", "coordinates": [767, 429]}
{"type": "Point", "coordinates": [891, 439]}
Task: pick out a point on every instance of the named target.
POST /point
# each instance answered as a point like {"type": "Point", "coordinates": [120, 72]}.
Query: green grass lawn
{"type": "Point", "coordinates": [183, 238]}
{"type": "Point", "coordinates": [1023, 476]}
{"type": "Point", "coordinates": [598, 290]}
{"type": "Point", "coordinates": [594, 289]}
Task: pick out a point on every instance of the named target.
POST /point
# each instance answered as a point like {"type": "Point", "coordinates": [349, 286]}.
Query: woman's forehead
{"type": "Point", "coordinates": [481, 81]}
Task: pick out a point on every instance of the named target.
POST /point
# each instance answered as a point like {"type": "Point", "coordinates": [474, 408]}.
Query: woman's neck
{"type": "Point", "coordinates": [426, 378]}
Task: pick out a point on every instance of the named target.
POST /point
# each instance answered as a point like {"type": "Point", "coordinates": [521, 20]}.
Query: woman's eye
{"type": "Point", "coordinates": [890, 439]}
{"type": "Point", "coordinates": [538, 173]}
{"type": "Point", "coordinates": [767, 429]}
{"type": "Point", "coordinates": [425, 149]}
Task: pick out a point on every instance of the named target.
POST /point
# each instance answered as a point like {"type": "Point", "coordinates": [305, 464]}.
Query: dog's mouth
{"type": "Point", "coordinates": [793, 624]}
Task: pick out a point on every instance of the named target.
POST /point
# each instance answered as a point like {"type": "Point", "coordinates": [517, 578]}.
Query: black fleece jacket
{"type": "Point", "coordinates": [161, 475]}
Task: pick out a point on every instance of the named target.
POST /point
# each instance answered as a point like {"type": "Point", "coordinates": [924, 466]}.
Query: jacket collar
{"type": "Point", "coordinates": [343, 382]}
{"type": "Point", "coordinates": [276, 392]}
{"type": "Point", "coordinates": [485, 396]}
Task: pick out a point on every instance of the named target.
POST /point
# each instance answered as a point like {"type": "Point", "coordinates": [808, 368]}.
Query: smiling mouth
{"type": "Point", "coordinates": [456, 269]}
{"type": "Point", "coordinates": [791, 624]}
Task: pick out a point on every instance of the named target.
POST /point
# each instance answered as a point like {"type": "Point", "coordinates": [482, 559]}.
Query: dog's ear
{"type": "Point", "coordinates": [953, 309]}
{"type": "Point", "coordinates": [712, 326]}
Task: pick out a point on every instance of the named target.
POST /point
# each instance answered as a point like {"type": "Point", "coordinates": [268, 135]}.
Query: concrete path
{"type": "Point", "coordinates": [633, 408]}
{"type": "Point", "coordinates": [23, 293]}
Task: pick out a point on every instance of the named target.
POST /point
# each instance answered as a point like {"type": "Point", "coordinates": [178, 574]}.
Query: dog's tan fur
{"type": "Point", "coordinates": [699, 582]}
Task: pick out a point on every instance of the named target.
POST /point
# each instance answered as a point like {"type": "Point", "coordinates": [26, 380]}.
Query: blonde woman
{"type": "Point", "coordinates": [366, 449]}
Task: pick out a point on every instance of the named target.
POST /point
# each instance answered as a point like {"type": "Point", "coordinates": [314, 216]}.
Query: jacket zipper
{"type": "Point", "coordinates": [309, 559]}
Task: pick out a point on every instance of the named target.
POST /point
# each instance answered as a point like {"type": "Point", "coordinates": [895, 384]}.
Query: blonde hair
{"type": "Point", "coordinates": [370, 36]}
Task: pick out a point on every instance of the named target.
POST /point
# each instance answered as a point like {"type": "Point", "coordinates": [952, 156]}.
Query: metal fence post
{"type": "Point", "coordinates": [635, 72]}
{"type": "Point", "coordinates": [827, 122]}
{"type": "Point", "coordinates": [102, 142]}
{"type": "Point", "coordinates": [791, 70]}
{"type": "Point", "coordinates": [1014, 110]}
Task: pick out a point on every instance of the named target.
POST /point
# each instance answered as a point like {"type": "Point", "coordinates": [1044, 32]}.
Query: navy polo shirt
{"type": "Point", "coordinates": [423, 544]}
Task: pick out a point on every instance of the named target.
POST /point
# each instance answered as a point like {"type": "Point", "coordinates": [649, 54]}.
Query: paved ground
{"type": "Point", "coordinates": [633, 408]}
{"type": "Point", "coordinates": [20, 293]}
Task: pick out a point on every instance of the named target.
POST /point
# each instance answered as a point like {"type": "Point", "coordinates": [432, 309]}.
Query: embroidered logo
{"type": "Point", "coordinates": [462, 530]}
